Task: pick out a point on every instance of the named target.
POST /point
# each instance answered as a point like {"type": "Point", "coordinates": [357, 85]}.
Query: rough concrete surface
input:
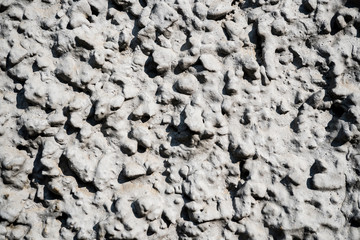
{"type": "Point", "coordinates": [180, 119]}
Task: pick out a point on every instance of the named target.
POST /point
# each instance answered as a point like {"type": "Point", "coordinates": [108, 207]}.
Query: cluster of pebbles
{"type": "Point", "coordinates": [180, 119]}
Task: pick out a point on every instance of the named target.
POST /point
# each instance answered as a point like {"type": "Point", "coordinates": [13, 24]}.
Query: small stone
{"type": "Point", "coordinates": [210, 62]}
{"type": "Point", "coordinates": [35, 122]}
{"type": "Point", "coordinates": [21, 71]}
{"type": "Point", "coordinates": [200, 10]}
{"type": "Point", "coordinates": [219, 11]}
{"type": "Point", "coordinates": [124, 40]}
{"type": "Point", "coordinates": [17, 54]}
{"type": "Point", "coordinates": [123, 3]}
{"type": "Point", "coordinates": [82, 40]}
{"type": "Point", "coordinates": [18, 87]}
{"type": "Point", "coordinates": [116, 102]}
{"type": "Point", "coordinates": [163, 57]}
{"type": "Point", "coordinates": [278, 27]}
{"type": "Point", "coordinates": [296, 177]}
{"type": "Point", "coordinates": [129, 146]}
{"type": "Point", "coordinates": [283, 108]}
{"type": "Point", "coordinates": [76, 120]}
{"type": "Point", "coordinates": [187, 84]}
{"type": "Point", "coordinates": [142, 135]}
{"type": "Point", "coordinates": [99, 57]}
{"type": "Point", "coordinates": [328, 181]}
{"type": "Point", "coordinates": [133, 170]}
{"type": "Point", "coordinates": [340, 21]}
{"type": "Point", "coordinates": [194, 120]}
{"type": "Point", "coordinates": [77, 20]}
{"type": "Point", "coordinates": [102, 109]}
{"type": "Point", "coordinates": [245, 149]}
{"type": "Point", "coordinates": [15, 12]}
{"type": "Point", "coordinates": [149, 207]}
{"type": "Point", "coordinates": [35, 91]}
{"type": "Point", "coordinates": [83, 166]}
{"type": "Point", "coordinates": [251, 67]}
{"type": "Point", "coordinates": [66, 69]}
{"type": "Point", "coordinates": [163, 16]}
{"type": "Point", "coordinates": [43, 62]}
{"type": "Point", "coordinates": [316, 99]}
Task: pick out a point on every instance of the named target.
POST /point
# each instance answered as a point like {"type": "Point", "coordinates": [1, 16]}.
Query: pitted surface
{"type": "Point", "coordinates": [179, 119]}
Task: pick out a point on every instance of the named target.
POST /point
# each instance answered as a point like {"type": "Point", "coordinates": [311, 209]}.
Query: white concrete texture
{"type": "Point", "coordinates": [180, 119]}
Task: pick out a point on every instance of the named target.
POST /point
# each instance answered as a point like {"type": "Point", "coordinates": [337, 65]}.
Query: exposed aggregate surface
{"type": "Point", "coordinates": [179, 119]}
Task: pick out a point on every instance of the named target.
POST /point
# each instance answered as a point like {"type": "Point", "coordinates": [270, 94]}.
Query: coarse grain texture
{"type": "Point", "coordinates": [179, 119]}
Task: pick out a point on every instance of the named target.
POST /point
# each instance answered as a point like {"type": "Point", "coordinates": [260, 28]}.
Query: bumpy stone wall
{"type": "Point", "coordinates": [179, 119]}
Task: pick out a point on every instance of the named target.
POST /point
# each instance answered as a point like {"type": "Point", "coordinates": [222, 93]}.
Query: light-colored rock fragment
{"type": "Point", "coordinates": [328, 181]}
{"type": "Point", "coordinates": [133, 170]}
{"type": "Point", "coordinates": [210, 62]}
{"type": "Point", "coordinates": [187, 84]}
{"type": "Point", "coordinates": [17, 54]}
{"type": "Point", "coordinates": [219, 10]}
{"type": "Point", "coordinates": [81, 164]}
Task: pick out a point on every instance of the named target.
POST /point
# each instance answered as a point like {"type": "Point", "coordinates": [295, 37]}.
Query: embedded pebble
{"type": "Point", "coordinates": [17, 54]}
{"type": "Point", "coordinates": [210, 62]}
{"type": "Point", "coordinates": [187, 84]}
